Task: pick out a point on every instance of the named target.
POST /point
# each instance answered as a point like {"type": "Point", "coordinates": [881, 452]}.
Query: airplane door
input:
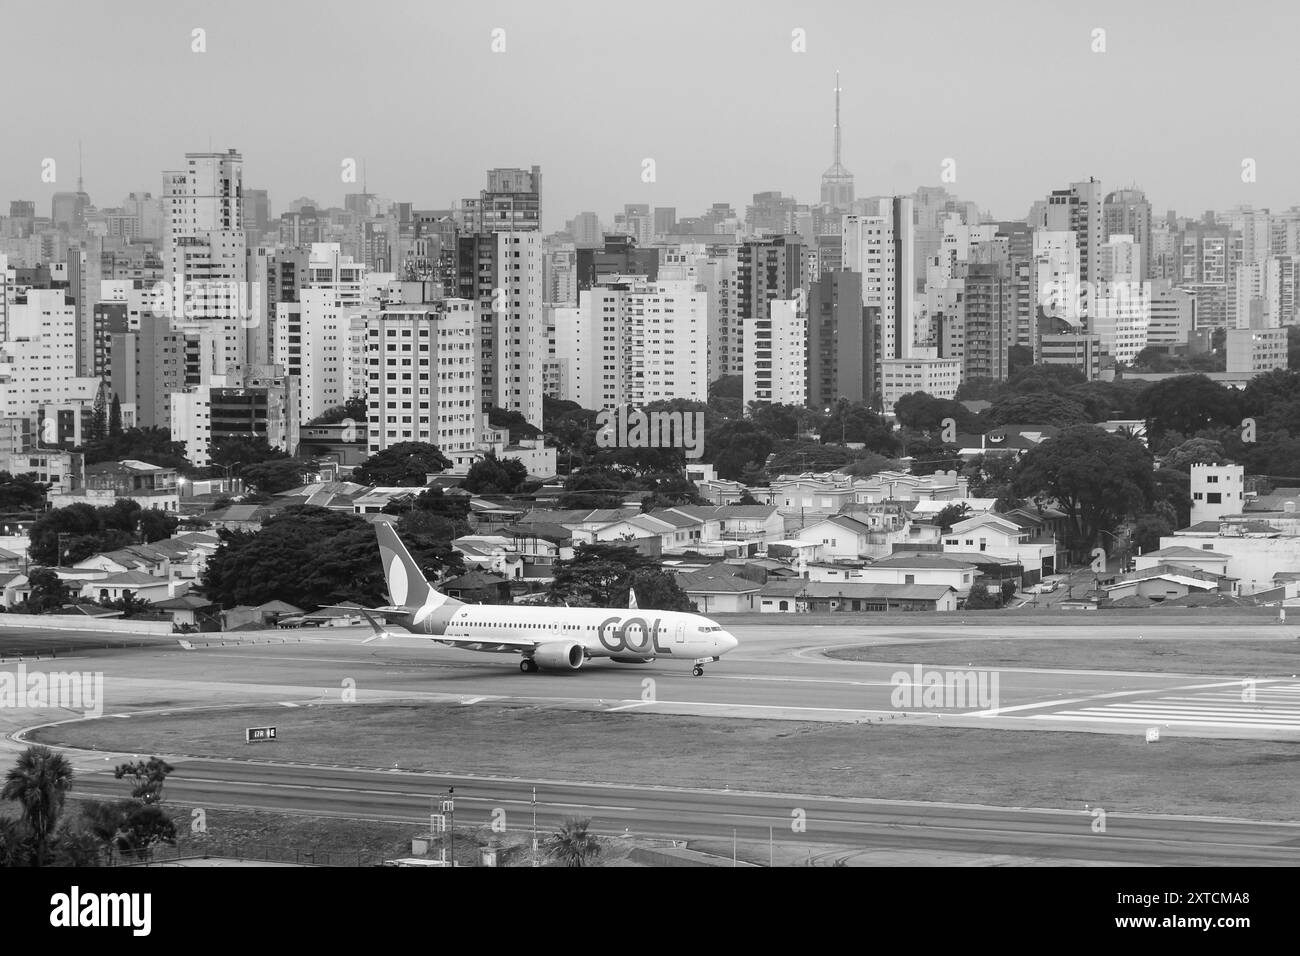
{"type": "Point", "coordinates": [680, 636]}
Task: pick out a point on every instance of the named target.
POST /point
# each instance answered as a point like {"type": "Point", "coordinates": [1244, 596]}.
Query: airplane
{"type": "Point", "coordinates": [549, 638]}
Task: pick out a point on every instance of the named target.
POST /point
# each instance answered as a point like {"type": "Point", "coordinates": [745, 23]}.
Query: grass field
{"type": "Point", "coordinates": [1238, 778]}
{"type": "Point", "coordinates": [1232, 658]}
{"type": "Point", "coordinates": [1029, 616]}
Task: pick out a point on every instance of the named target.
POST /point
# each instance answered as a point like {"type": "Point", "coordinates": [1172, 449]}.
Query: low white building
{"type": "Point", "coordinates": [997, 535]}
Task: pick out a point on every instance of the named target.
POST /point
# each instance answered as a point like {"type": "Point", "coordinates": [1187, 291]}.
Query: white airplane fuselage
{"type": "Point", "coordinates": [623, 634]}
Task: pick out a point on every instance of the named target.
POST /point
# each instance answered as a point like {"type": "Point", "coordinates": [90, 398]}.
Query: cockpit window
{"type": "Point", "coordinates": [704, 629]}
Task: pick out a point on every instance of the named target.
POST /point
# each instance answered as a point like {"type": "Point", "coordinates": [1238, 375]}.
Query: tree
{"type": "Point", "coordinates": [514, 422]}
{"type": "Point", "coordinates": [923, 412]}
{"type": "Point", "coordinates": [1019, 358]}
{"type": "Point", "coordinates": [979, 599]}
{"type": "Point", "coordinates": [869, 464]}
{"type": "Point", "coordinates": [1044, 378]}
{"type": "Point", "coordinates": [48, 592]}
{"type": "Point", "coordinates": [274, 476]}
{"type": "Point", "coordinates": [593, 488]}
{"type": "Point", "coordinates": [1187, 404]}
{"type": "Point", "coordinates": [242, 450]}
{"type": "Point", "coordinates": [669, 491]}
{"type": "Point", "coordinates": [152, 445]}
{"type": "Point", "coordinates": [309, 557]}
{"type": "Point", "coordinates": [98, 429]}
{"type": "Point", "coordinates": [39, 783]}
{"type": "Point", "coordinates": [732, 445]}
{"type": "Point", "coordinates": [143, 823]}
{"type": "Point", "coordinates": [1095, 478]}
{"type": "Point", "coordinates": [1195, 451]}
{"type": "Point", "coordinates": [406, 464]}
{"type": "Point", "coordinates": [72, 534]}
{"type": "Point", "coordinates": [1036, 408]}
{"type": "Point", "coordinates": [574, 844]}
{"type": "Point", "coordinates": [950, 515]}
{"type": "Point", "coordinates": [148, 776]}
{"type": "Point", "coordinates": [659, 591]}
{"type": "Point", "coordinates": [848, 422]}
{"type": "Point", "coordinates": [1008, 592]}
{"type": "Point", "coordinates": [21, 492]}
{"type": "Point", "coordinates": [930, 455]}
{"type": "Point", "coordinates": [778, 420]}
{"type": "Point", "coordinates": [115, 418]}
{"type": "Point", "coordinates": [598, 575]}
{"type": "Point", "coordinates": [492, 476]}
{"type": "Point", "coordinates": [1148, 530]}
{"type": "Point", "coordinates": [354, 410]}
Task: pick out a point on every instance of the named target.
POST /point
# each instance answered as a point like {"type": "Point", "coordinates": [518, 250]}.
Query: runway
{"type": "Point", "coordinates": [777, 673]}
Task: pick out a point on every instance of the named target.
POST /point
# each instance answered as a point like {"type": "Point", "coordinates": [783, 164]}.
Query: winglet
{"type": "Point", "coordinates": [631, 598]}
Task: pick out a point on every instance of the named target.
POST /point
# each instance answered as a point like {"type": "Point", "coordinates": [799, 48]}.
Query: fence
{"type": "Point", "coordinates": [256, 853]}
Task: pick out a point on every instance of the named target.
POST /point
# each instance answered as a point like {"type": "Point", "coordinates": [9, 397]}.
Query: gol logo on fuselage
{"type": "Point", "coordinates": [622, 636]}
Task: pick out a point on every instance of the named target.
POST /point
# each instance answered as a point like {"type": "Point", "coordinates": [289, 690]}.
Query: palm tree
{"type": "Point", "coordinates": [573, 844]}
{"type": "Point", "coordinates": [39, 782]}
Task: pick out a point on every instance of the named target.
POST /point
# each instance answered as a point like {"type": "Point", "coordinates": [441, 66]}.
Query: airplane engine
{"type": "Point", "coordinates": [559, 656]}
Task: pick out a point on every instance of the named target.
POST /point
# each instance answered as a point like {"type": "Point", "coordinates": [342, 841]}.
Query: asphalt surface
{"type": "Point", "coordinates": [778, 673]}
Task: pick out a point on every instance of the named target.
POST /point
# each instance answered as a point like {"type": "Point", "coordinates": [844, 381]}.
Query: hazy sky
{"type": "Point", "coordinates": [709, 89]}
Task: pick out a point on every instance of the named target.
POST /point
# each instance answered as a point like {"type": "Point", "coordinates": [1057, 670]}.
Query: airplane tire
{"type": "Point", "coordinates": [697, 671]}
{"type": "Point", "coordinates": [527, 666]}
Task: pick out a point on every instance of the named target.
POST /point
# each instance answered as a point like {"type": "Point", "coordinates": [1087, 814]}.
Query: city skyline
{"type": "Point", "coordinates": [903, 114]}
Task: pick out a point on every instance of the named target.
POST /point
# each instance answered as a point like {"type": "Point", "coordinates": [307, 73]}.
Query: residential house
{"type": "Point", "coordinates": [1000, 535]}
{"type": "Point", "coordinates": [840, 536]}
{"type": "Point", "coordinates": [943, 486]}
{"type": "Point", "coordinates": [720, 590]}
{"type": "Point", "coordinates": [921, 568]}
{"type": "Point", "coordinates": [478, 587]}
{"type": "Point", "coordinates": [834, 597]}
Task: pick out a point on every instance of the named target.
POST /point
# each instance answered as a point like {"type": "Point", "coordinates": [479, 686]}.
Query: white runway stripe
{"type": "Point", "coordinates": [1273, 707]}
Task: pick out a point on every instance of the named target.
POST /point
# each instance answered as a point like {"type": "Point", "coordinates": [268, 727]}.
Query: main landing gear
{"type": "Point", "coordinates": [528, 665]}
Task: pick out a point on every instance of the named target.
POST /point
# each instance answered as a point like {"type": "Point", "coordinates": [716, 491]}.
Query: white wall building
{"type": "Point", "coordinates": [776, 350]}
{"type": "Point", "coordinates": [1217, 490]}
{"type": "Point", "coordinates": [424, 382]}
{"type": "Point", "coordinates": [880, 247]}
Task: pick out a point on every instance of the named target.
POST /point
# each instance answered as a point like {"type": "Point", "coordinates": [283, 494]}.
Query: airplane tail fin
{"type": "Point", "coordinates": [407, 586]}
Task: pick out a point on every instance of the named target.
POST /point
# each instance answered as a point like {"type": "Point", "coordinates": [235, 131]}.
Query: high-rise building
{"type": "Point", "coordinates": [1078, 209]}
{"type": "Point", "coordinates": [631, 341]}
{"type": "Point", "coordinates": [424, 375]}
{"type": "Point", "coordinates": [204, 255]}
{"type": "Point", "coordinates": [1127, 212]}
{"type": "Point", "coordinates": [841, 341]}
{"type": "Point", "coordinates": [502, 273]}
{"type": "Point", "coordinates": [880, 248]}
{"type": "Point", "coordinates": [775, 350]}
{"type": "Point", "coordinates": [621, 256]}
{"type": "Point", "coordinates": [512, 201]}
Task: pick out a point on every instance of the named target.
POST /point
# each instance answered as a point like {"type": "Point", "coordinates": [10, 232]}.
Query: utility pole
{"type": "Point", "coordinates": [535, 826]}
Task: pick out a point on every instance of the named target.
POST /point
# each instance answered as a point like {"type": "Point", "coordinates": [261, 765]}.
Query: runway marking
{"type": "Point", "coordinates": [286, 703]}
{"type": "Point", "coordinates": [635, 703]}
{"type": "Point", "coordinates": [1276, 706]}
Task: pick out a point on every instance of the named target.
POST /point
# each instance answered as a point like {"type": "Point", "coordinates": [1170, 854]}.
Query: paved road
{"type": "Point", "coordinates": [399, 796]}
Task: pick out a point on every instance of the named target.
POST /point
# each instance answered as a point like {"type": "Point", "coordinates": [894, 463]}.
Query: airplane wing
{"type": "Point", "coordinates": [471, 643]}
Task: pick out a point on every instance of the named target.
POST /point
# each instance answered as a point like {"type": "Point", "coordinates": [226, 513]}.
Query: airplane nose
{"type": "Point", "coordinates": [727, 643]}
